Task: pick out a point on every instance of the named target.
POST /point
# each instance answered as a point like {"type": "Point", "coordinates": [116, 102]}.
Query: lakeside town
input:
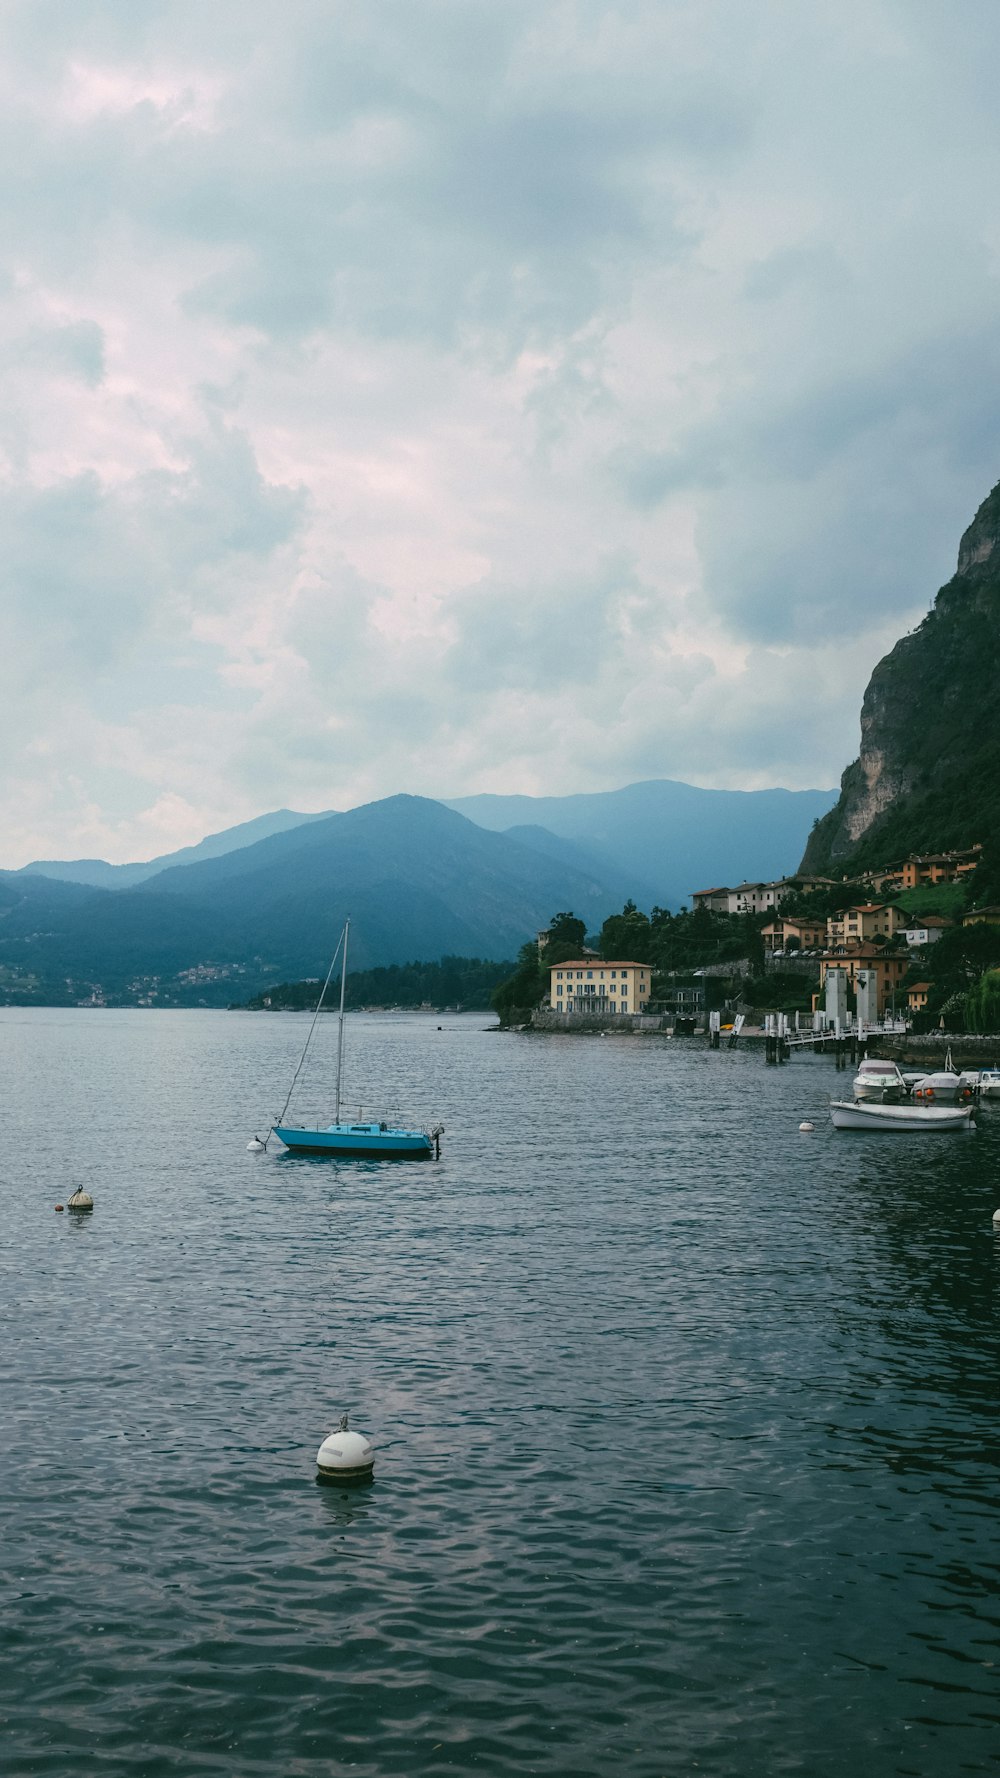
{"type": "Point", "coordinates": [905, 944]}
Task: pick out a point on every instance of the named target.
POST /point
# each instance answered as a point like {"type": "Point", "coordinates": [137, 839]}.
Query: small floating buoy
{"type": "Point", "coordinates": [61, 1207]}
{"type": "Point", "coordinates": [345, 1456]}
{"type": "Point", "coordinates": [80, 1200]}
{"type": "Point", "coordinates": [807, 1126]}
{"type": "Point", "coordinates": [996, 1218]}
{"type": "Point", "coordinates": [255, 1145]}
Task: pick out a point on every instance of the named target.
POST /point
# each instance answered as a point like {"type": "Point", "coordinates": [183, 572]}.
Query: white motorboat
{"type": "Point", "coordinates": [879, 1082]}
{"type": "Point", "coordinates": [989, 1083]}
{"type": "Point", "coordinates": [944, 1088]}
{"type": "Point", "coordinates": [857, 1114]}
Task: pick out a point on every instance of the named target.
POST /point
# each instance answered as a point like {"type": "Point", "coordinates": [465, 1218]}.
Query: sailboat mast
{"type": "Point", "coordinates": [340, 1027]}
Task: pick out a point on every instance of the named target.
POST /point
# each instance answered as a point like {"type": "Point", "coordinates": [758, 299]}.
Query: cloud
{"type": "Point", "coordinates": [526, 398]}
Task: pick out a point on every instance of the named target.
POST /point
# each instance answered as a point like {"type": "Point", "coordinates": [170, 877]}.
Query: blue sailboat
{"type": "Point", "coordinates": [376, 1140]}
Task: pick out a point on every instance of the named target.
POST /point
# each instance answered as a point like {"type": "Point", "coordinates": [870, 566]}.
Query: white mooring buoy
{"type": "Point", "coordinates": [996, 1219]}
{"type": "Point", "coordinates": [345, 1456]}
{"type": "Point", "coordinates": [807, 1126]}
{"type": "Point", "coordinates": [255, 1145]}
{"type": "Point", "coordinates": [80, 1200]}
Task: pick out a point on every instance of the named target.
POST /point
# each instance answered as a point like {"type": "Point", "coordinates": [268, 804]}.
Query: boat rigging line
{"type": "Point", "coordinates": [305, 1048]}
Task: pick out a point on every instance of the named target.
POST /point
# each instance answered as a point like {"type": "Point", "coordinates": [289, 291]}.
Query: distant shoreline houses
{"type": "Point", "coordinates": [869, 946]}
{"type": "Point", "coordinates": [862, 942]}
{"type": "Point", "coordinates": [758, 898]}
{"type": "Point", "coordinates": [919, 871]}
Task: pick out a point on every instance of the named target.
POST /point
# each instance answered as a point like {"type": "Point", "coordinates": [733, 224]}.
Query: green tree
{"type": "Point", "coordinates": [982, 1003]}
{"type": "Point", "coordinates": [626, 935]}
{"type": "Point", "coordinates": [515, 999]}
{"type": "Point", "coordinates": [567, 933]}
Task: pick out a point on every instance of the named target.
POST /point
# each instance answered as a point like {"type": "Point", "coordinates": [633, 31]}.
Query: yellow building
{"type": "Point", "coordinates": [860, 925]}
{"type": "Point", "coordinates": [588, 985]}
{"type": "Point", "coordinates": [811, 934]}
{"type": "Point", "coordinates": [916, 997]}
{"type": "Point", "coordinates": [987, 916]}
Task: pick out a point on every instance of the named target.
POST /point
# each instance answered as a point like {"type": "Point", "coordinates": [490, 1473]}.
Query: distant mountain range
{"type": "Point", "coordinates": [98, 875]}
{"type": "Point", "coordinates": [668, 835]}
{"type": "Point", "coordinates": [264, 902]}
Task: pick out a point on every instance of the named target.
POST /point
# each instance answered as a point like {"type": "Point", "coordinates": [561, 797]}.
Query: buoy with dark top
{"type": "Point", "coordinates": [80, 1200]}
{"type": "Point", "coordinates": [345, 1456]}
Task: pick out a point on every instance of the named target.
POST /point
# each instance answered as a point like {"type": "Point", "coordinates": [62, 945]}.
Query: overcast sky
{"type": "Point", "coordinates": [444, 395]}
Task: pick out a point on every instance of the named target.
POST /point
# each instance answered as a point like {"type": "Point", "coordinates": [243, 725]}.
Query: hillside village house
{"type": "Point", "coordinates": [716, 900]}
{"type": "Point", "coordinates": [586, 985]}
{"type": "Point", "coordinates": [756, 898]}
{"type": "Point", "coordinates": [921, 870]}
{"type": "Point", "coordinates": [939, 867]}
{"type": "Point", "coordinates": [809, 935]}
{"type": "Point", "coordinates": [925, 931]}
{"type": "Point", "coordinates": [985, 916]}
{"type": "Point", "coordinates": [876, 919]}
{"type": "Point", "coordinates": [916, 997]}
{"type": "Point", "coordinates": [889, 966]}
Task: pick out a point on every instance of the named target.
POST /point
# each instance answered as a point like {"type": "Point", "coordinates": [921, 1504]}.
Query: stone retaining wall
{"type": "Point", "coordinates": [619, 1021]}
{"type": "Point", "coordinates": [932, 1049]}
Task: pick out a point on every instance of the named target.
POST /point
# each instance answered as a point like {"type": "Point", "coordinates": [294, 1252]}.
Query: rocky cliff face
{"type": "Point", "coordinates": [928, 774]}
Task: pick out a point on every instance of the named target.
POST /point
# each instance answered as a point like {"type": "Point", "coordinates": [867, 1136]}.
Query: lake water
{"type": "Point", "coordinates": [686, 1422]}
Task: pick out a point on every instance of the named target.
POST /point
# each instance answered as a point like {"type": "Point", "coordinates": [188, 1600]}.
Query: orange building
{"type": "Point", "coordinates": [938, 867]}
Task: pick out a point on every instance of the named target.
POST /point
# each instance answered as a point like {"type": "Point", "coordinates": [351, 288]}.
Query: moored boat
{"type": "Point", "coordinates": [945, 1087]}
{"type": "Point", "coordinates": [378, 1140]}
{"type": "Point", "coordinates": [854, 1114]}
{"type": "Point", "coordinates": [878, 1081]}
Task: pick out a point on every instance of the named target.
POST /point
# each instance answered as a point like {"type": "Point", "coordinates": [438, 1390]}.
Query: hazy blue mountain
{"type": "Point", "coordinates": [593, 860]}
{"type": "Point", "coordinates": [418, 880]}
{"type": "Point", "coordinates": [414, 874]}
{"type": "Point", "coordinates": [670, 835]}
{"type": "Point", "coordinates": [99, 875]}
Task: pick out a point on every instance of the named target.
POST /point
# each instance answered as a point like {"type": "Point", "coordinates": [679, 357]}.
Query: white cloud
{"type": "Point", "coordinates": [527, 398]}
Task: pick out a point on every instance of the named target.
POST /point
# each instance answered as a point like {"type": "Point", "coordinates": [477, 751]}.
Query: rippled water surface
{"type": "Point", "coordinates": [686, 1422]}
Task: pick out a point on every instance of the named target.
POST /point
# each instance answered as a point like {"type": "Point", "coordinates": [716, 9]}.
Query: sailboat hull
{"type": "Point", "coordinates": [377, 1141]}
